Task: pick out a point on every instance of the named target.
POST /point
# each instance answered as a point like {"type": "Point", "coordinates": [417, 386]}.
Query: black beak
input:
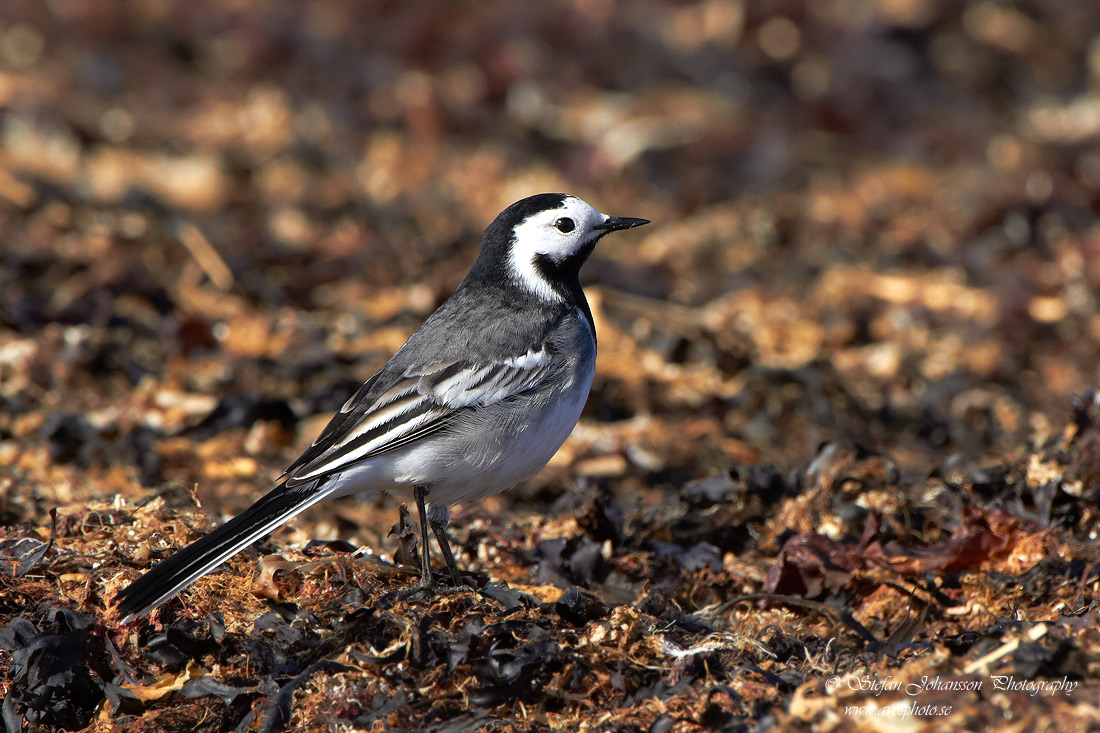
{"type": "Point", "coordinates": [614, 223]}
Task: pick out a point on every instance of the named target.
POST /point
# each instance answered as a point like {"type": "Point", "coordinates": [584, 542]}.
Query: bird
{"type": "Point", "coordinates": [477, 400]}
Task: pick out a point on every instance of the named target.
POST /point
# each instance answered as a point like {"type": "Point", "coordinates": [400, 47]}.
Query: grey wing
{"type": "Point", "coordinates": [383, 416]}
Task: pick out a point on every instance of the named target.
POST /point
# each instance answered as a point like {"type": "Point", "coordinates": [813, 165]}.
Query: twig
{"type": "Point", "coordinates": [207, 257]}
{"type": "Point", "coordinates": [833, 614]}
{"type": "Point", "coordinates": [1033, 634]}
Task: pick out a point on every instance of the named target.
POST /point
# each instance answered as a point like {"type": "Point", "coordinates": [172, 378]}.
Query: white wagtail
{"type": "Point", "coordinates": [478, 399]}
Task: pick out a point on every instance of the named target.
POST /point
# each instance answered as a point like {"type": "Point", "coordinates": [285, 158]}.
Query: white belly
{"type": "Point", "coordinates": [494, 450]}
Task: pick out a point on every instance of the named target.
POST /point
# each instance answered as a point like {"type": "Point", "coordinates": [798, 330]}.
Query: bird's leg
{"type": "Point", "coordinates": [420, 493]}
{"type": "Point", "coordinates": [439, 518]}
{"type": "Point", "coordinates": [438, 523]}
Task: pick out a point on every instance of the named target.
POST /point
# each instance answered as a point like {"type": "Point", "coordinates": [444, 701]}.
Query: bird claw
{"type": "Point", "coordinates": [432, 588]}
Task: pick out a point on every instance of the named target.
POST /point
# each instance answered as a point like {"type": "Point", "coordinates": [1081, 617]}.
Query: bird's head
{"type": "Point", "coordinates": [539, 243]}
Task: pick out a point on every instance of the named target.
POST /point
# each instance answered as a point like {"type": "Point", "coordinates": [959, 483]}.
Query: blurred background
{"type": "Point", "coordinates": [873, 222]}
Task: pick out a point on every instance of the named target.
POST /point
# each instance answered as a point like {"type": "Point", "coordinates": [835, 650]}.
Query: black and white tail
{"type": "Point", "coordinates": [172, 575]}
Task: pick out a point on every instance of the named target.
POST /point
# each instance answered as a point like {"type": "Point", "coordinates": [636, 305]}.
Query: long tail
{"type": "Point", "coordinates": [203, 555]}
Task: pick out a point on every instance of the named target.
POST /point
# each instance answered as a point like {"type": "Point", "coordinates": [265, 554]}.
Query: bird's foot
{"type": "Point", "coordinates": [430, 588]}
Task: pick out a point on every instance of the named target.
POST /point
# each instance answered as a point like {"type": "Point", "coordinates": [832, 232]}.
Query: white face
{"type": "Point", "coordinates": [557, 234]}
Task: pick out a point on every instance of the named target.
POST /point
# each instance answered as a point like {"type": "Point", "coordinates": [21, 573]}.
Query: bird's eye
{"type": "Point", "coordinates": [564, 225]}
